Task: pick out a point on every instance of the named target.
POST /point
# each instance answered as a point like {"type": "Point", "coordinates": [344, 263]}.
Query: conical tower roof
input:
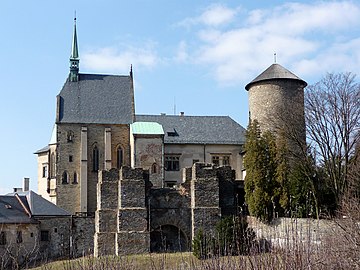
{"type": "Point", "coordinates": [275, 72]}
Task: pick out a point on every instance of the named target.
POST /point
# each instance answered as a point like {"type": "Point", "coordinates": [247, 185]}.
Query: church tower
{"type": "Point", "coordinates": [276, 101]}
{"type": "Point", "coordinates": [74, 57]}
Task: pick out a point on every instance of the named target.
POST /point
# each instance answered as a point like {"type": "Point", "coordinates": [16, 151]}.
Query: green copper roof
{"type": "Point", "coordinates": [74, 47]}
{"type": "Point", "coordinates": [147, 128]}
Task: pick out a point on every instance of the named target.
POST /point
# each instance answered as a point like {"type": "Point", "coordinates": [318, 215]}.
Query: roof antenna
{"type": "Point", "coordinates": [275, 58]}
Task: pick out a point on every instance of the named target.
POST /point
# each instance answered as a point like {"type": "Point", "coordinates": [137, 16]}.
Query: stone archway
{"type": "Point", "coordinates": [168, 238]}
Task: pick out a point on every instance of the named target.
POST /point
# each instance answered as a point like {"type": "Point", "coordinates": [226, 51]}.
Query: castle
{"type": "Point", "coordinates": [143, 177]}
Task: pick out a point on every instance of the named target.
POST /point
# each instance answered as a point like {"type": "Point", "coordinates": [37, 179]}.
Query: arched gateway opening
{"type": "Point", "coordinates": [168, 238]}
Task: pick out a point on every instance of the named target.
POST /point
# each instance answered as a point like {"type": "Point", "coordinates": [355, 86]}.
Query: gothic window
{"type": "Point", "coordinates": [119, 157]}
{"type": "Point", "coordinates": [154, 168]}
{"type": "Point", "coordinates": [172, 163]}
{"type": "Point", "coordinates": [65, 178]}
{"type": "Point", "coordinates": [95, 159]}
{"type": "Point", "coordinates": [75, 179]}
{"type": "Point", "coordinates": [70, 136]}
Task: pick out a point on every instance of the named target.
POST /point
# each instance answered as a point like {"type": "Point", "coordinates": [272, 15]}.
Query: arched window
{"type": "Point", "coordinates": [154, 168]}
{"type": "Point", "coordinates": [65, 178]}
{"type": "Point", "coordinates": [70, 136]}
{"type": "Point", "coordinates": [95, 159]}
{"type": "Point", "coordinates": [75, 179]}
{"type": "Point", "coordinates": [119, 157]}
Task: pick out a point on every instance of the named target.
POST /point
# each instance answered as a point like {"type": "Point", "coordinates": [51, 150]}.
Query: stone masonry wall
{"type": "Point", "coordinates": [205, 208]}
{"type": "Point", "coordinates": [106, 213]}
{"type": "Point", "coordinates": [133, 235]}
{"type": "Point", "coordinates": [287, 232]}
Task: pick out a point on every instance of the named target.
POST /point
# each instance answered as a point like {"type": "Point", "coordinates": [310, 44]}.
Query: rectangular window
{"type": "Point", "coordinates": [221, 160]}
{"type": "Point", "coordinates": [71, 158]}
{"type": "Point", "coordinates": [45, 171]}
{"type": "Point", "coordinates": [44, 236]}
{"type": "Point", "coordinates": [19, 237]}
{"type": "Point", "coordinates": [172, 163]}
{"type": "Point", "coordinates": [216, 160]}
{"type": "Point", "coordinates": [2, 238]}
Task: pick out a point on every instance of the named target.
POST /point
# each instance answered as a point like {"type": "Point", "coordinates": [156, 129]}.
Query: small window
{"type": "Point", "coordinates": [55, 230]}
{"type": "Point", "coordinates": [31, 234]}
{"type": "Point", "coordinates": [65, 178]}
{"type": "Point", "coordinates": [70, 136]}
{"type": "Point", "coordinates": [2, 238]}
{"type": "Point", "coordinates": [71, 158]}
{"type": "Point", "coordinates": [119, 157]}
{"type": "Point", "coordinates": [154, 168]}
{"type": "Point", "coordinates": [226, 161]}
{"type": "Point", "coordinates": [19, 237]}
{"type": "Point", "coordinates": [172, 163]}
{"type": "Point", "coordinates": [45, 171]}
{"type": "Point", "coordinates": [75, 179]}
{"type": "Point", "coordinates": [216, 160]}
{"type": "Point", "coordinates": [44, 235]}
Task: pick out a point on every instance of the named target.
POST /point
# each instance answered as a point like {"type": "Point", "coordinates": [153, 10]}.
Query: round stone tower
{"type": "Point", "coordinates": [276, 101]}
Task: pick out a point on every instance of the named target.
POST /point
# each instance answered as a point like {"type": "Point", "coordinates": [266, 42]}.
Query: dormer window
{"type": "Point", "coordinates": [172, 133]}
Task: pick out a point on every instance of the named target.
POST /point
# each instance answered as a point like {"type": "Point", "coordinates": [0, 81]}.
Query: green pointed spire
{"type": "Point", "coordinates": [74, 57]}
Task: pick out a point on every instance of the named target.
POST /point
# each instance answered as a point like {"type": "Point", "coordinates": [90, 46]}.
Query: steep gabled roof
{"type": "Point", "coordinates": [38, 206]}
{"type": "Point", "coordinates": [11, 210]}
{"type": "Point", "coordinates": [98, 99]}
{"type": "Point", "coordinates": [275, 71]}
{"type": "Point", "coordinates": [197, 129]}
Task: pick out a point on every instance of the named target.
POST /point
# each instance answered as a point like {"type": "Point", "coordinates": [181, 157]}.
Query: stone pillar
{"type": "Point", "coordinates": [106, 222]}
{"type": "Point", "coordinates": [133, 236]}
{"type": "Point", "coordinates": [107, 159]}
{"type": "Point", "coordinates": [83, 170]}
{"type": "Point", "coordinates": [205, 210]}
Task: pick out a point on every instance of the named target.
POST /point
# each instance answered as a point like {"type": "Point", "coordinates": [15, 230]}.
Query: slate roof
{"type": "Point", "coordinates": [11, 211]}
{"type": "Point", "coordinates": [198, 129]}
{"type": "Point", "coordinates": [39, 206]}
{"type": "Point", "coordinates": [275, 71]}
{"type": "Point", "coordinates": [98, 99]}
{"type": "Point", "coordinates": [42, 150]}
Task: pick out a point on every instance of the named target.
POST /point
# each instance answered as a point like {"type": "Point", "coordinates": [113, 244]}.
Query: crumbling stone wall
{"type": "Point", "coordinates": [130, 213]}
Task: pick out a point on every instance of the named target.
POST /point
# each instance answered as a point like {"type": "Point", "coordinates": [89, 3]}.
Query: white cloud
{"type": "Point", "coordinates": [112, 59]}
{"type": "Point", "coordinates": [182, 54]}
{"type": "Point", "coordinates": [307, 38]}
{"type": "Point", "coordinates": [214, 15]}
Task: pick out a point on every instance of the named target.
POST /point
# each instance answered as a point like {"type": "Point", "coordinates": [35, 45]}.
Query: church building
{"type": "Point", "coordinates": [96, 129]}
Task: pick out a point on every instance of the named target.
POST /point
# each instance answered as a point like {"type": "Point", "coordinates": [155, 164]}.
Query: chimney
{"type": "Point", "coordinates": [26, 184]}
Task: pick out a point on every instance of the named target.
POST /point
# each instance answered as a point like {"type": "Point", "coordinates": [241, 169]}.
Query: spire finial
{"type": "Point", "coordinates": [74, 57]}
{"type": "Point", "coordinates": [275, 57]}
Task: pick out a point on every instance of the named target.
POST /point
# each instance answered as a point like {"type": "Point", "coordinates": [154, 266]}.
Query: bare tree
{"type": "Point", "coordinates": [332, 113]}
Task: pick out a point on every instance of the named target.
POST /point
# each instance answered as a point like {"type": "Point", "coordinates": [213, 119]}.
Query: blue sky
{"type": "Point", "coordinates": [191, 56]}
